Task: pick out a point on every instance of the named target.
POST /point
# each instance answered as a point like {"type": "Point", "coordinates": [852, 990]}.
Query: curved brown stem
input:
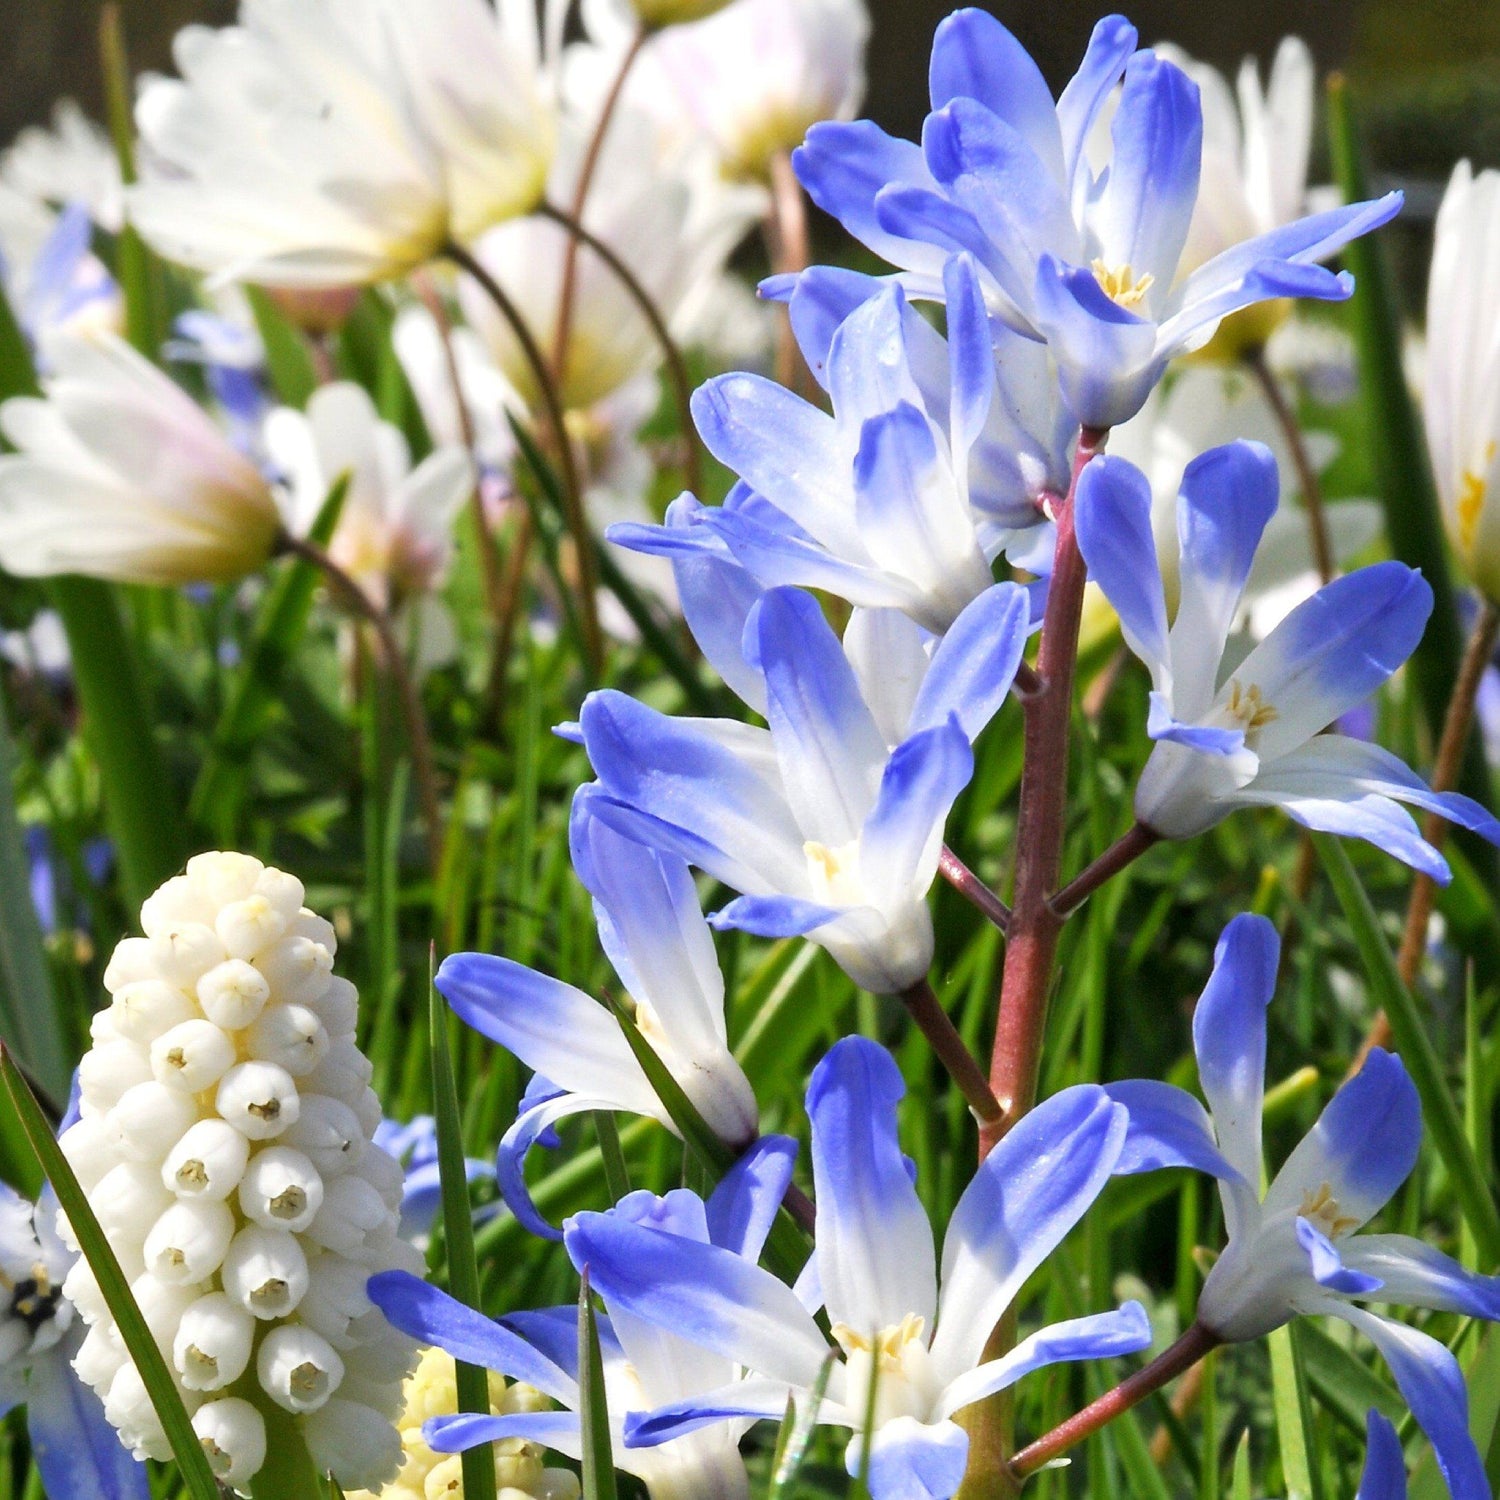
{"type": "Point", "coordinates": [572, 487]}
{"type": "Point", "coordinates": [972, 888]}
{"type": "Point", "coordinates": [568, 288]}
{"type": "Point", "coordinates": [1124, 851]}
{"type": "Point", "coordinates": [360, 603]}
{"type": "Point", "coordinates": [682, 386]}
{"type": "Point", "coordinates": [1307, 474]}
{"type": "Point", "coordinates": [950, 1049]}
{"type": "Point", "coordinates": [790, 254]}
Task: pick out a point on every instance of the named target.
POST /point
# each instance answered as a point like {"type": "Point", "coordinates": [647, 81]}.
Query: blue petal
{"type": "Point", "coordinates": [1433, 1385]}
{"type": "Point", "coordinates": [749, 1399]}
{"type": "Point", "coordinates": [971, 357]}
{"type": "Point", "coordinates": [1142, 216]}
{"type": "Point", "coordinates": [77, 1452]}
{"type": "Point", "coordinates": [1229, 1037]}
{"type": "Point", "coordinates": [1112, 515]}
{"type": "Point", "coordinates": [844, 166]}
{"type": "Point", "coordinates": [1168, 1128]}
{"type": "Point", "coordinates": [433, 1317]}
{"type": "Point", "coordinates": [548, 1429]}
{"type": "Point", "coordinates": [773, 916]}
{"type": "Point", "coordinates": [1415, 1274]}
{"type": "Point", "coordinates": [931, 216]}
{"type": "Point", "coordinates": [871, 363]}
{"type": "Point", "coordinates": [537, 1126]}
{"type": "Point", "coordinates": [912, 1460]}
{"type": "Point", "coordinates": [1027, 1195]}
{"type": "Point", "coordinates": [975, 663]}
{"type": "Point", "coordinates": [1384, 1476]}
{"type": "Point", "coordinates": [1110, 45]}
{"type": "Point", "coordinates": [708, 1296]}
{"type": "Point", "coordinates": [829, 749]}
{"type": "Point", "coordinates": [744, 1205]}
{"type": "Point", "coordinates": [1206, 739]}
{"type": "Point", "coordinates": [1107, 358]}
{"type": "Point", "coordinates": [874, 1244]}
{"type": "Point", "coordinates": [1363, 1146]}
{"type": "Point", "coordinates": [1327, 1266]}
{"type": "Point", "coordinates": [1191, 326]}
{"type": "Point", "coordinates": [818, 302]}
{"type": "Point", "coordinates": [975, 57]}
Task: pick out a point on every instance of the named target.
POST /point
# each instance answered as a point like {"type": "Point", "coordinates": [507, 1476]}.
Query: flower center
{"type": "Point", "coordinates": [835, 873]}
{"type": "Point", "coordinates": [34, 1300]}
{"type": "Point", "coordinates": [1121, 285]}
{"type": "Point", "coordinates": [1472, 489]}
{"type": "Point", "coordinates": [1322, 1208]}
{"type": "Point", "coordinates": [1248, 708]}
{"type": "Point", "coordinates": [895, 1361]}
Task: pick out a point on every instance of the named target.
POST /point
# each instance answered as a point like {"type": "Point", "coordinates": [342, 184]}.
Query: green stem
{"type": "Point", "coordinates": [288, 1472]}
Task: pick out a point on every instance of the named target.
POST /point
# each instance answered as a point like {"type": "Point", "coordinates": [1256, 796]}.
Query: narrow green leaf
{"type": "Point", "coordinates": [1208, 1408]}
{"type": "Point", "coordinates": [1398, 450]}
{"type": "Point", "coordinates": [1146, 1482]}
{"type": "Point", "coordinates": [458, 1228]}
{"type": "Point", "coordinates": [197, 1477]}
{"type": "Point", "coordinates": [616, 1177]}
{"type": "Point", "coordinates": [1440, 1112]}
{"type": "Point", "coordinates": [289, 365]}
{"type": "Point", "coordinates": [1293, 1418]}
{"type": "Point", "coordinates": [598, 1452]}
{"type": "Point", "coordinates": [1345, 1387]}
{"type": "Point", "coordinates": [29, 1015]}
{"type": "Point", "coordinates": [289, 1472]}
{"type": "Point", "coordinates": [796, 1433]}
{"type": "Point", "coordinates": [859, 1488]}
{"type": "Point", "coordinates": [1239, 1483]}
{"type": "Point", "coordinates": [220, 789]}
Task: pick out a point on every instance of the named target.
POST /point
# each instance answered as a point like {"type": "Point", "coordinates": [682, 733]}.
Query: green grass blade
{"type": "Point", "coordinates": [1440, 1112]}
{"type": "Point", "coordinates": [288, 364]}
{"type": "Point", "coordinates": [796, 1434]}
{"type": "Point", "coordinates": [458, 1230]}
{"type": "Point", "coordinates": [1289, 1396]}
{"type": "Point", "coordinates": [616, 1177]}
{"type": "Point", "coordinates": [197, 1477]}
{"type": "Point", "coordinates": [219, 790]}
{"type": "Point", "coordinates": [598, 1452]}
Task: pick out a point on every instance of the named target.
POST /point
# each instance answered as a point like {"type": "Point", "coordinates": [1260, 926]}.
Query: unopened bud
{"type": "Point", "coordinates": [258, 1099]}
{"type": "Point", "coordinates": [192, 1056]}
{"type": "Point", "coordinates": [100, 1357]}
{"type": "Point", "coordinates": [208, 1162]}
{"type": "Point", "coordinates": [250, 926]}
{"type": "Point", "coordinates": [328, 1133]}
{"type": "Point", "coordinates": [148, 1120]}
{"type": "Point", "coordinates": [265, 1272]}
{"type": "Point", "coordinates": [233, 994]}
{"type": "Point", "coordinates": [337, 1007]}
{"type": "Point", "coordinates": [383, 1172]}
{"type": "Point", "coordinates": [188, 1242]}
{"type": "Point", "coordinates": [162, 1306]}
{"type": "Point", "coordinates": [233, 1435]}
{"type": "Point", "coordinates": [212, 1347]}
{"type": "Point", "coordinates": [298, 1369]}
{"type": "Point", "coordinates": [81, 1288]}
{"type": "Point", "coordinates": [107, 1071]}
{"type": "Point", "coordinates": [281, 1190]}
{"type": "Point", "coordinates": [142, 1011]}
{"type": "Point", "coordinates": [356, 1442]}
{"type": "Point", "coordinates": [344, 1071]}
{"type": "Point", "coordinates": [183, 955]}
{"type": "Point", "coordinates": [89, 1150]}
{"type": "Point", "coordinates": [128, 1409]}
{"type": "Point", "coordinates": [128, 1200]}
{"type": "Point", "coordinates": [297, 969]}
{"type": "Point", "coordinates": [131, 961]}
{"type": "Point", "coordinates": [352, 1212]}
{"type": "Point", "coordinates": [290, 1036]}
{"type": "Point", "coordinates": [182, 900]}
{"type": "Point", "coordinates": [335, 1297]}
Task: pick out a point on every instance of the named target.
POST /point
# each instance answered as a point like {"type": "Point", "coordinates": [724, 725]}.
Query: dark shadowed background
{"type": "Point", "coordinates": [1428, 73]}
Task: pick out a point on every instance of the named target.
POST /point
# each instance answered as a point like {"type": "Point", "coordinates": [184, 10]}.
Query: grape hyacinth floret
{"type": "Point", "coordinates": [225, 1141]}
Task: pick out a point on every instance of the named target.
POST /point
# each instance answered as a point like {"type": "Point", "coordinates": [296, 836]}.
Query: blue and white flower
{"type": "Point", "coordinates": [1086, 260]}
{"type": "Point", "coordinates": [1294, 1250]}
{"type": "Point", "coordinates": [1247, 734]}
{"type": "Point", "coordinates": [875, 1269]}
{"type": "Point", "coordinates": [935, 460]}
{"type": "Point", "coordinates": [645, 1364]}
{"type": "Point", "coordinates": [415, 1147]}
{"type": "Point", "coordinates": [653, 930]}
{"type": "Point", "coordinates": [1384, 1476]}
{"type": "Point", "coordinates": [829, 831]}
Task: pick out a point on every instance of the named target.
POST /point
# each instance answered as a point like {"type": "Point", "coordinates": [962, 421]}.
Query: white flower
{"type": "Point", "coordinates": [72, 162]}
{"type": "Point", "coordinates": [215, 1219]}
{"type": "Point", "coordinates": [395, 533]}
{"type": "Point", "coordinates": [1463, 370]}
{"type": "Point", "coordinates": [320, 144]}
{"type": "Point", "coordinates": [752, 78]}
{"type": "Point", "coordinates": [51, 277]}
{"type": "Point", "coordinates": [119, 475]}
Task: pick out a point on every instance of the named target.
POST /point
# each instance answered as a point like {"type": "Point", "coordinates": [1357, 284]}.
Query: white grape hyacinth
{"type": "Point", "coordinates": [225, 1142]}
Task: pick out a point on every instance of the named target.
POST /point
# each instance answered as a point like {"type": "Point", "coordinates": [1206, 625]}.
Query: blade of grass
{"type": "Point", "coordinates": [289, 365]}
{"type": "Point", "coordinates": [220, 788]}
{"type": "Point", "coordinates": [616, 1177]}
{"type": "Point", "coordinates": [796, 1433]}
{"type": "Point", "coordinates": [598, 1452]}
{"type": "Point", "coordinates": [197, 1477]}
{"type": "Point", "coordinates": [1440, 1111]}
{"type": "Point", "coordinates": [458, 1227]}
{"type": "Point", "coordinates": [1289, 1396]}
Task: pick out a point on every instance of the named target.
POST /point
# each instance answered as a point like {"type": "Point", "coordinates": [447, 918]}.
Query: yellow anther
{"type": "Point", "coordinates": [1322, 1208]}
{"type": "Point", "coordinates": [1249, 707]}
{"type": "Point", "coordinates": [1121, 285]}
{"type": "Point", "coordinates": [1472, 488]}
{"type": "Point", "coordinates": [888, 1345]}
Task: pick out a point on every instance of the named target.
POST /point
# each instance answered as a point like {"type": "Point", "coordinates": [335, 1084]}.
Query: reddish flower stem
{"type": "Point", "coordinates": [1124, 851]}
{"type": "Point", "coordinates": [951, 1050]}
{"type": "Point", "coordinates": [972, 888]}
{"type": "Point", "coordinates": [1031, 935]}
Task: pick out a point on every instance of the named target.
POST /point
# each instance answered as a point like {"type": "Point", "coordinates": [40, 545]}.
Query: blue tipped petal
{"type": "Point", "coordinates": [1416, 1275]}
{"type": "Point", "coordinates": [76, 1451]}
{"type": "Point", "coordinates": [874, 1245]}
{"type": "Point", "coordinates": [773, 916]}
{"type": "Point", "coordinates": [1229, 1037]}
{"type": "Point", "coordinates": [1113, 521]}
{"type": "Point", "coordinates": [743, 1400]}
{"type": "Point", "coordinates": [912, 1460]}
{"type": "Point", "coordinates": [819, 300]}
{"type": "Point", "coordinates": [744, 1205]}
{"type": "Point", "coordinates": [558, 1430]}
{"type": "Point", "coordinates": [1384, 1476]}
{"type": "Point", "coordinates": [537, 1126]}
{"type": "Point", "coordinates": [971, 358]}
{"type": "Point", "coordinates": [1327, 1266]}
{"type": "Point", "coordinates": [1110, 45]}
{"type": "Point", "coordinates": [975, 663]}
{"type": "Point", "coordinates": [1168, 1128]}
{"type": "Point", "coordinates": [975, 57]}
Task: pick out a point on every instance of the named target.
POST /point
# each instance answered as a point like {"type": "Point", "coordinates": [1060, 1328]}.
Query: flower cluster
{"type": "Point", "coordinates": [225, 1141]}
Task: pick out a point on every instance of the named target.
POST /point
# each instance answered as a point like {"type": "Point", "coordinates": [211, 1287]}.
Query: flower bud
{"type": "Point", "coordinates": [383, 1172]}
{"type": "Point", "coordinates": [250, 926]}
{"type": "Point", "coordinates": [223, 875]}
{"type": "Point", "coordinates": [335, 1297]}
{"type": "Point", "coordinates": [182, 900]}
{"type": "Point", "coordinates": [148, 1120]}
{"type": "Point", "coordinates": [188, 1242]}
{"type": "Point", "coordinates": [128, 1200]}
{"type": "Point", "coordinates": [354, 1441]}
{"type": "Point", "coordinates": [208, 1162]}
{"type": "Point", "coordinates": [131, 961]}
{"type": "Point", "coordinates": [292, 1037]}
{"type": "Point", "coordinates": [281, 1190]}
{"type": "Point", "coordinates": [100, 1357]}
{"type": "Point", "coordinates": [328, 1133]}
{"type": "Point", "coordinates": [316, 929]}
{"type": "Point", "coordinates": [352, 1211]}
{"type": "Point", "coordinates": [233, 994]}
{"type": "Point", "coordinates": [213, 1343]}
{"type": "Point", "coordinates": [259, 1099]}
{"type": "Point", "coordinates": [145, 1009]}
{"type": "Point", "coordinates": [344, 1071]}
{"type": "Point", "coordinates": [107, 1071]}
{"type": "Point", "coordinates": [89, 1150]}
{"type": "Point", "coordinates": [337, 1007]}
{"type": "Point", "coordinates": [265, 1272]}
{"type": "Point", "coordinates": [162, 1306]}
{"type": "Point", "coordinates": [183, 955]}
{"type": "Point", "coordinates": [297, 969]}
{"type": "Point", "coordinates": [192, 1056]}
{"type": "Point", "coordinates": [297, 1368]}
{"type": "Point", "coordinates": [81, 1288]}
{"type": "Point", "coordinates": [128, 1408]}
{"type": "Point", "coordinates": [368, 1111]}
{"type": "Point", "coordinates": [233, 1435]}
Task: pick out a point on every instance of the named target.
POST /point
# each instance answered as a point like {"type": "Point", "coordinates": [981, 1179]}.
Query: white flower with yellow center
{"type": "Point", "coordinates": [119, 474]}
{"type": "Point", "coordinates": [225, 1140]}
